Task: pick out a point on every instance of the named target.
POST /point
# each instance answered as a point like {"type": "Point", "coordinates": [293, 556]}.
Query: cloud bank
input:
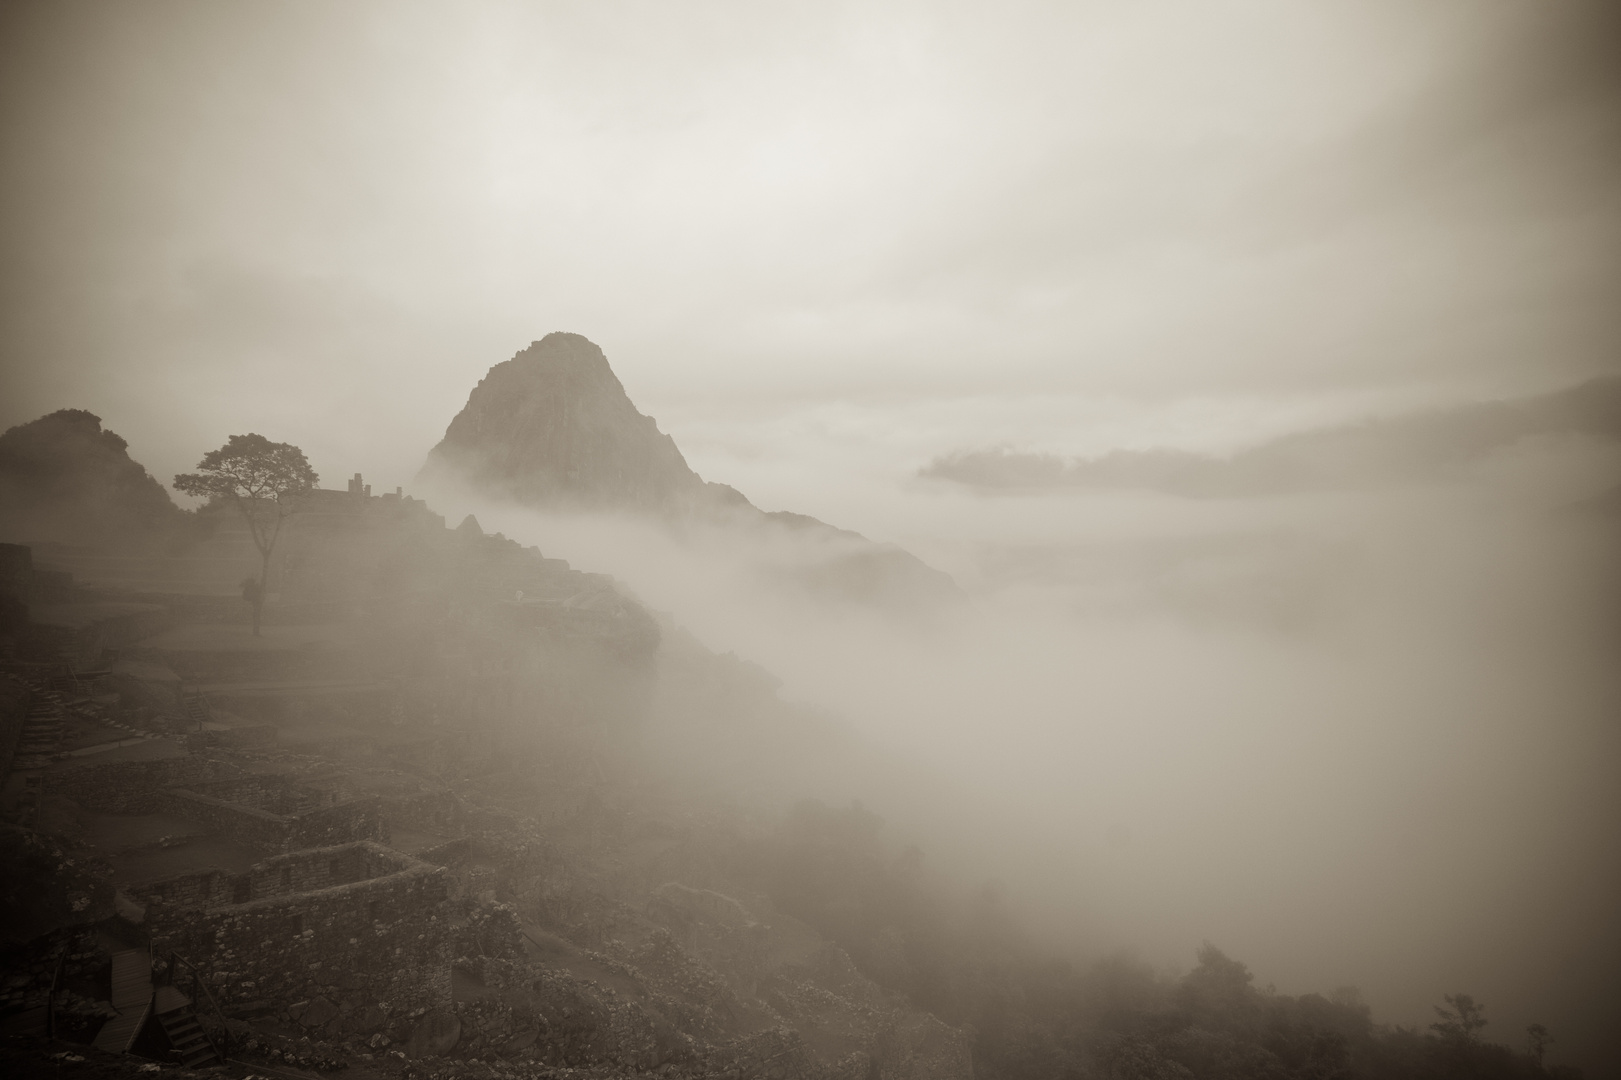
{"type": "Point", "coordinates": [1417, 448]}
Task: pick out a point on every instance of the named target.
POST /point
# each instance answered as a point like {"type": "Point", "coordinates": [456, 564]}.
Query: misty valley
{"type": "Point", "coordinates": [568, 762]}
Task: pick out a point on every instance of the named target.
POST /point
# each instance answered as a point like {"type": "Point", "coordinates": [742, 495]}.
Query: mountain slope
{"type": "Point", "coordinates": [553, 425]}
{"type": "Point", "coordinates": [553, 428]}
{"type": "Point", "coordinates": [64, 478]}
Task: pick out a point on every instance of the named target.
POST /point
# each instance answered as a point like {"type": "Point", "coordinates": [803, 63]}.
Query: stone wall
{"type": "Point", "coordinates": [234, 821]}
{"type": "Point", "coordinates": [437, 812]}
{"type": "Point", "coordinates": [372, 933]}
{"type": "Point", "coordinates": [14, 699]}
{"type": "Point", "coordinates": [133, 787]}
{"type": "Point", "coordinates": [252, 735]}
{"type": "Point", "coordinates": [285, 875]}
{"type": "Point", "coordinates": [359, 819]}
{"type": "Point", "coordinates": [273, 794]}
{"type": "Point", "coordinates": [323, 868]}
{"type": "Point", "coordinates": [261, 812]}
{"type": "Point", "coordinates": [199, 888]}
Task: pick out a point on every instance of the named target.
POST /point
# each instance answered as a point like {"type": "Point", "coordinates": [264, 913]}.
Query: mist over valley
{"type": "Point", "coordinates": [866, 542]}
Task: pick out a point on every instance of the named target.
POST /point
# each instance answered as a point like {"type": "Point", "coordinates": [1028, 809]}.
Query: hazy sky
{"type": "Point", "coordinates": [803, 234]}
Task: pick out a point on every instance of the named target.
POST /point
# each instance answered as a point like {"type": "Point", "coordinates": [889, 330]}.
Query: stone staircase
{"type": "Point", "coordinates": [197, 710]}
{"type": "Point", "coordinates": [138, 1002]}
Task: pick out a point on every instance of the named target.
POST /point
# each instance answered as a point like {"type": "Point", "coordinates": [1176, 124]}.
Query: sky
{"type": "Point", "coordinates": [1358, 739]}
{"type": "Point", "coordinates": [902, 229]}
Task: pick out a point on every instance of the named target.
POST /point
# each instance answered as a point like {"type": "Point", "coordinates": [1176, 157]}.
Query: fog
{"type": "Point", "coordinates": [1357, 739]}
{"type": "Point", "coordinates": [1357, 734]}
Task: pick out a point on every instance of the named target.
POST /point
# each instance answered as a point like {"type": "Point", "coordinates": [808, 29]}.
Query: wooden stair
{"type": "Point", "coordinates": [188, 1042]}
{"type": "Point", "coordinates": [131, 996]}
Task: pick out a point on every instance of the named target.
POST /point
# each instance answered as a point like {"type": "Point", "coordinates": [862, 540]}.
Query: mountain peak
{"type": "Point", "coordinates": [554, 425]}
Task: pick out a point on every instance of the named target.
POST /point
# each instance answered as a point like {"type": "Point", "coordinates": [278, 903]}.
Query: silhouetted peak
{"type": "Point", "coordinates": [554, 425]}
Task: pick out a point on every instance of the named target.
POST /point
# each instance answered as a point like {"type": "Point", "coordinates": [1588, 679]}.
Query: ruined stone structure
{"type": "Point", "coordinates": [273, 814]}
{"type": "Point", "coordinates": [346, 545]}
{"type": "Point", "coordinates": [427, 811]}
{"type": "Point", "coordinates": [331, 932]}
{"type": "Point", "coordinates": [135, 787]}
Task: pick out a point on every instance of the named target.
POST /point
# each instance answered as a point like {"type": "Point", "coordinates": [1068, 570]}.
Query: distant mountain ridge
{"type": "Point", "coordinates": [1392, 450]}
{"type": "Point", "coordinates": [553, 428]}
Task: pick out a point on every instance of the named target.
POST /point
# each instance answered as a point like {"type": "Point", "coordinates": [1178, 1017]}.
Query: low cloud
{"type": "Point", "coordinates": [1424, 446]}
{"type": "Point", "coordinates": [1355, 735]}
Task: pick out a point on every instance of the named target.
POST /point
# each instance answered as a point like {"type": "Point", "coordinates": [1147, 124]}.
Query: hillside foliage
{"type": "Point", "coordinates": [1039, 1018]}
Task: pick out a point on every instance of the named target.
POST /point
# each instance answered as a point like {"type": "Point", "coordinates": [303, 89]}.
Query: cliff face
{"type": "Point", "coordinates": [553, 425]}
{"type": "Point", "coordinates": [64, 478]}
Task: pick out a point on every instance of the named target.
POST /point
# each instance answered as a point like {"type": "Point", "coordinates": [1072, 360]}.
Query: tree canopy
{"type": "Point", "coordinates": [255, 475]}
{"type": "Point", "coordinates": [249, 468]}
{"type": "Point", "coordinates": [263, 480]}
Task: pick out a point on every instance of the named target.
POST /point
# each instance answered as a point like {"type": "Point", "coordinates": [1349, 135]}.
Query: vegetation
{"type": "Point", "coordinates": [1035, 1018]}
{"type": "Point", "coordinates": [263, 480]}
{"type": "Point", "coordinates": [64, 478]}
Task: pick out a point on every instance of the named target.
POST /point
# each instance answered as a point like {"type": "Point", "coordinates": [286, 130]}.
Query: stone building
{"type": "Point", "coordinates": [352, 931]}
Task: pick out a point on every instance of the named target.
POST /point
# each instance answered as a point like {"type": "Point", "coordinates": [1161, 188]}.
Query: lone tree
{"type": "Point", "coordinates": [263, 480]}
{"type": "Point", "coordinates": [1538, 1039]}
{"type": "Point", "coordinates": [1459, 1023]}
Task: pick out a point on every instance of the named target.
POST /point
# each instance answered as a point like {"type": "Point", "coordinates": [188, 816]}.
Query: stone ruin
{"type": "Point", "coordinates": [273, 814]}
{"type": "Point", "coordinates": [343, 936]}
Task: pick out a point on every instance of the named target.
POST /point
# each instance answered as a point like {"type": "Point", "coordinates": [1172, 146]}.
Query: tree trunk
{"type": "Point", "coordinates": [259, 593]}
